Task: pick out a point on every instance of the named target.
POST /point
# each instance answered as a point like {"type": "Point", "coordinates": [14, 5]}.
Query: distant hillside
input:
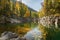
{"type": "Point", "coordinates": [27, 6]}
{"type": "Point", "coordinates": [31, 9]}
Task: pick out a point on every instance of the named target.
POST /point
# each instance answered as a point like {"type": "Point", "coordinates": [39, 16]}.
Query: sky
{"type": "Point", "coordinates": [34, 4]}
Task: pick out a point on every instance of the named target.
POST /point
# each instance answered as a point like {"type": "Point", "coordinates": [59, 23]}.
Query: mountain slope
{"type": "Point", "coordinates": [16, 10]}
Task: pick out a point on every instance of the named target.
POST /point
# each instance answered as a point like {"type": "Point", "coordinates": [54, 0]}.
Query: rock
{"type": "Point", "coordinates": [8, 35]}
{"type": "Point", "coordinates": [4, 33]}
{"type": "Point", "coordinates": [31, 35]}
{"type": "Point", "coordinates": [18, 38]}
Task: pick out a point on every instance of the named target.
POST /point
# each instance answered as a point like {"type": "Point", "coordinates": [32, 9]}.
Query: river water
{"type": "Point", "coordinates": [26, 30]}
{"type": "Point", "coordinates": [34, 34]}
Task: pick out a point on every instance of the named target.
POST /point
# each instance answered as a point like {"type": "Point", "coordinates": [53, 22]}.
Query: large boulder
{"type": "Point", "coordinates": [8, 35]}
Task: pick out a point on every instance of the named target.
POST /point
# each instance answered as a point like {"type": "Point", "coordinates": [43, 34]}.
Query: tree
{"type": "Point", "coordinates": [27, 14]}
{"type": "Point", "coordinates": [51, 7]}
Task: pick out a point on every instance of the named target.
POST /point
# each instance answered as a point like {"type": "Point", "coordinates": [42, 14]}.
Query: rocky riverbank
{"type": "Point", "coordinates": [10, 36]}
{"type": "Point", "coordinates": [34, 34]}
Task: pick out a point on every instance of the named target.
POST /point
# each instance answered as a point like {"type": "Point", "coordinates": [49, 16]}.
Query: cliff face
{"type": "Point", "coordinates": [50, 21]}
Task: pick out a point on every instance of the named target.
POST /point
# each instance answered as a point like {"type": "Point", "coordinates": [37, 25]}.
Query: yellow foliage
{"type": "Point", "coordinates": [27, 14]}
{"type": "Point", "coordinates": [17, 6]}
{"type": "Point", "coordinates": [3, 3]}
{"type": "Point", "coordinates": [41, 14]}
{"type": "Point", "coordinates": [43, 30]}
{"type": "Point", "coordinates": [26, 25]}
{"type": "Point", "coordinates": [57, 14]}
{"type": "Point", "coordinates": [22, 29]}
{"type": "Point", "coordinates": [11, 5]}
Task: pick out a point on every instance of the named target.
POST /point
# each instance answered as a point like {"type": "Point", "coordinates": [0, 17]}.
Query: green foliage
{"type": "Point", "coordinates": [53, 34]}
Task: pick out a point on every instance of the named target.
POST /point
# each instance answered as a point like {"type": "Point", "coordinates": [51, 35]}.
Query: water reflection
{"type": "Point", "coordinates": [30, 31]}
{"type": "Point", "coordinates": [34, 34]}
{"type": "Point", "coordinates": [20, 29]}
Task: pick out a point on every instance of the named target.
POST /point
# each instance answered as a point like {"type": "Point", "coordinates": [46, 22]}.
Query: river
{"type": "Point", "coordinates": [25, 30]}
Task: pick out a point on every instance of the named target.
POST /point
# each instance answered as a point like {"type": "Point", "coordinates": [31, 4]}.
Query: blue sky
{"type": "Point", "coordinates": [35, 4]}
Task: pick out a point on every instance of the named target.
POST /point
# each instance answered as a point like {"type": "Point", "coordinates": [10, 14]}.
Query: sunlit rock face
{"type": "Point", "coordinates": [34, 34]}
{"type": "Point", "coordinates": [50, 21]}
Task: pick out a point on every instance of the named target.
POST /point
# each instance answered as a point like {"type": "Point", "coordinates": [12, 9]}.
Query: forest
{"type": "Point", "coordinates": [16, 17]}
{"type": "Point", "coordinates": [16, 10]}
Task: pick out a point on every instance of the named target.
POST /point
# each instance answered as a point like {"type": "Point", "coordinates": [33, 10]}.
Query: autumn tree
{"type": "Point", "coordinates": [51, 6]}
{"type": "Point", "coordinates": [27, 13]}
{"type": "Point", "coordinates": [5, 10]}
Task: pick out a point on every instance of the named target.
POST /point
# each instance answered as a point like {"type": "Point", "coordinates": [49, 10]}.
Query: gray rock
{"type": "Point", "coordinates": [8, 35]}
